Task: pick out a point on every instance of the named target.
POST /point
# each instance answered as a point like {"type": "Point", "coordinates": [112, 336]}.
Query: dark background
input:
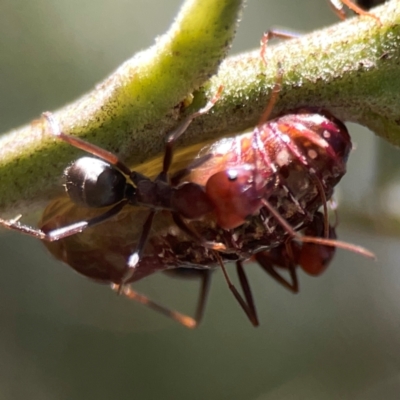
{"type": "Point", "coordinates": [64, 337]}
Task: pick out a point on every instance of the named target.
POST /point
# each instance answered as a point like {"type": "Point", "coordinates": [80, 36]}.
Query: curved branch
{"type": "Point", "coordinates": [120, 112]}
{"type": "Point", "coordinates": [350, 69]}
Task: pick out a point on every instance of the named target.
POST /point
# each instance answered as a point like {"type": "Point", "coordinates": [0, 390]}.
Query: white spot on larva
{"type": "Point", "coordinates": [282, 158]}
{"type": "Point", "coordinates": [312, 154]}
{"type": "Point", "coordinates": [326, 134]}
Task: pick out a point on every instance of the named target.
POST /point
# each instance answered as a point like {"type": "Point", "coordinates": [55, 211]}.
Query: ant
{"type": "Point", "coordinates": [106, 181]}
{"type": "Point", "coordinates": [100, 256]}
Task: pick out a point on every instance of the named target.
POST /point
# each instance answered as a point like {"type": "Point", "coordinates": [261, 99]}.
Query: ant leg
{"type": "Point", "coordinates": [312, 258]}
{"type": "Point", "coordinates": [181, 224]}
{"type": "Point", "coordinates": [244, 283]}
{"type": "Point", "coordinates": [274, 34]}
{"type": "Point", "coordinates": [316, 240]}
{"type": "Point", "coordinates": [205, 281]}
{"type": "Point", "coordinates": [178, 175]}
{"type": "Point", "coordinates": [183, 319]}
{"type": "Point", "coordinates": [134, 258]}
{"type": "Point", "coordinates": [251, 314]}
{"type": "Point", "coordinates": [65, 231]}
{"type": "Point", "coordinates": [338, 8]}
{"type": "Point", "coordinates": [174, 136]}
{"type": "Point", "coordinates": [85, 146]}
{"type": "Point", "coordinates": [131, 294]}
{"type": "Point", "coordinates": [271, 34]}
{"type": "Point", "coordinates": [204, 289]}
{"type": "Point", "coordinates": [267, 262]}
{"type": "Point", "coordinates": [273, 99]}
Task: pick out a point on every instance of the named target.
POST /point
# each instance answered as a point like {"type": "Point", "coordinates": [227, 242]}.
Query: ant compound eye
{"type": "Point", "coordinates": [91, 182]}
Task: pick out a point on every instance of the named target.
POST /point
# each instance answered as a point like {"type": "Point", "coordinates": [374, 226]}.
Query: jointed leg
{"type": "Point", "coordinates": [338, 8]}
{"type": "Point", "coordinates": [244, 283]}
{"type": "Point", "coordinates": [183, 319]}
{"type": "Point", "coordinates": [268, 265]}
{"type": "Point", "coordinates": [204, 289]}
{"type": "Point", "coordinates": [248, 307]}
{"type": "Point", "coordinates": [127, 291]}
{"type": "Point", "coordinates": [85, 146]}
{"type": "Point", "coordinates": [65, 231]}
{"type": "Point", "coordinates": [174, 136]}
{"type": "Point", "coordinates": [316, 240]}
{"type": "Point", "coordinates": [136, 255]}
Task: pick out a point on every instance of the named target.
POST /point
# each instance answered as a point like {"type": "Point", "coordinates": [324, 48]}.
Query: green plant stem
{"type": "Point", "coordinates": [351, 69]}
{"type": "Point", "coordinates": [119, 114]}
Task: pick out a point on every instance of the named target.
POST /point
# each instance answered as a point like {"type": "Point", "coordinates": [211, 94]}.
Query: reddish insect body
{"type": "Point", "coordinates": [316, 147]}
{"type": "Point", "coordinates": [244, 196]}
{"type": "Point", "coordinates": [293, 162]}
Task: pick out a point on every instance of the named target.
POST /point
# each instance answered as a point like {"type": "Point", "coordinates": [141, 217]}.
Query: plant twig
{"type": "Point", "coordinates": [120, 113]}
{"type": "Point", "coordinates": [351, 69]}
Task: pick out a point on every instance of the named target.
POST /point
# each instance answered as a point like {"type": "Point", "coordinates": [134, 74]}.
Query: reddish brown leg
{"type": "Point", "coordinates": [175, 135]}
{"type": "Point", "coordinates": [316, 240]}
{"type": "Point", "coordinates": [338, 8]}
{"type": "Point", "coordinates": [249, 309]}
{"type": "Point", "coordinates": [65, 231]}
{"type": "Point", "coordinates": [182, 319]}
{"type": "Point", "coordinates": [127, 291]}
{"type": "Point", "coordinates": [85, 146]}
{"type": "Point", "coordinates": [177, 176]}
{"type": "Point", "coordinates": [203, 295]}
{"type": "Point", "coordinates": [269, 261]}
{"type": "Point", "coordinates": [274, 34]}
{"type": "Point", "coordinates": [313, 258]}
{"type": "Point", "coordinates": [244, 283]}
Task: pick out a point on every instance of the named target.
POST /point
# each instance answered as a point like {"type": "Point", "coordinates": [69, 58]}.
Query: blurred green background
{"type": "Point", "coordinates": [64, 337]}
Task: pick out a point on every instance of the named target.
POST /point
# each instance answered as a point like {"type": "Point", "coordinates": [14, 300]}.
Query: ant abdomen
{"type": "Point", "coordinates": [91, 182]}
